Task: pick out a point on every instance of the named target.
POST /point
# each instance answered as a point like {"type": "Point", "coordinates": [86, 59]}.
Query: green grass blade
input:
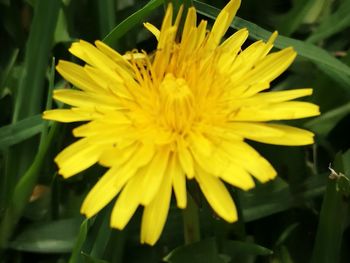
{"type": "Point", "coordinates": [20, 131]}
{"type": "Point", "coordinates": [332, 219]}
{"type": "Point", "coordinates": [50, 237]}
{"type": "Point", "coordinates": [29, 97]}
{"type": "Point", "coordinates": [323, 124]}
{"type": "Point", "coordinates": [106, 16]}
{"type": "Point", "coordinates": [76, 252]}
{"type": "Point", "coordinates": [315, 54]}
{"type": "Point", "coordinates": [136, 18]}
{"type": "Point", "coordinates": [30, 93]}
{"type": "Point", "coordinates": [294, 18]}
{"type": "Point", "coordinates": [333, 24]}
{"type": "Point", "coordinates": [23, 190]}
{"type": "Point", "coordinates": [276, 196]}
{"type": "Point", "coordinates": [5, 74]}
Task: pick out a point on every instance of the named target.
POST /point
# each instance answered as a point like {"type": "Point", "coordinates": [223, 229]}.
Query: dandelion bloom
{"type": "Point", "coordinates": [182, 113]}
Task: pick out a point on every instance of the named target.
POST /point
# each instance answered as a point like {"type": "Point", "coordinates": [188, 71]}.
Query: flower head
{"type": "Point", "coordinates": [183, 113]}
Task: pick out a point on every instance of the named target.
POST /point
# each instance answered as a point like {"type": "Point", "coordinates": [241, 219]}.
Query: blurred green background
{"type": "Point", "coordinates": [302, 216]}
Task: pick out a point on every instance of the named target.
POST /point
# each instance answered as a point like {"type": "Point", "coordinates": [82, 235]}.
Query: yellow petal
{"type": "Point", "coordinates": [222, 23]}
{"type": "Point", "coordinates": [290, 136]}
{"type": "Point", "coordinates": [101, 194]}
{"type": "Point", "coordinates": [141, 158]}
{"type": "Point", "coordinates": [269, 68]}
{"type": "Point", "coordinates": [199, 143]}
{"type": "Point", "coordinates": [116, 156]}
{"type": "Point", "coordinates": [178, 181]}
{"type": "Point", "coordinates": [85, 100]}
{"type": "Point", "coordinates": [154, 175]}
{"type": "Point", "coordinates": [237, 176]}
{"type": "Point", "coordinates": [155, 214]}
{"type": "Point", "coordinates": [279, 111]}
{"type": "Point", "coordinates": [93, 56]}
{"type": "Point", "coordinates": [65, 115]}
{"type": "Point", "coordinates": [217, 195]}
{"type": "Point", "coordinates": [111, 53]}
{"type": "Point", "coordinates": [250, 160]}
{"type": "Point", "coordinates": [254, 130]}
{"type": "Point", "coordinates": [277, 96]}
{"type": "Point", "coordinates": [77, 157]}
{"type": "Point", "coordinates": [185, 159]}
{"type": "Point", "coordinates": [127, 203]}
{"type": "Point", "coordinates": [190, 22]}
{"type": "Point", "coordinates": [151, 28]}
{"type": "Point", "coordinates": [76, 75]}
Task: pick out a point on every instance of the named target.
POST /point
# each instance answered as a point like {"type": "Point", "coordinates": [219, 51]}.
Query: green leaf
{"type": "Point", "coordinates": [20, 131]}
{"type": "Point", "coordinates": [313, 53]}
{"type": "Point", "coordinates": [106, 16]}
{"type": "Point", "coordinates": [52, 237]}
{"type": "Point", "coordinates": [135, 19]}
{"type": "Point", "coordinates": [31, 88]}
{"type": "Point", "coordinates": [89, 259]}
{"type": "Point", "coordinates": [276, 196]}
{"type": "Point", "coordinates": [325, 123]}
{"type": "Point", "coordinates": [24, 188]}
{"type": "Point", "coordinates": [332, 220]}
{"type": "Point", "coordinates": [199, 252]}
{"type": "Point", "coordinates": [4, 75]}
{"type": "Point", "coordinates": [240, 251]}
{"type": "Point", "coordinates": [285, 234]}
{"type": "Point", "coordinates": [332, 24]}
{"type": "Point", "coordinates": [79, 242]}
{"type": "Point", "coordinates": [292, 20]}
{"type": "Point", "coordinates": [61, 31]}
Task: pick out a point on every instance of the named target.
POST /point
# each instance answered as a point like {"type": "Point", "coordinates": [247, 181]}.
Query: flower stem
{"type": "Point", "coordinates": [191, 222]}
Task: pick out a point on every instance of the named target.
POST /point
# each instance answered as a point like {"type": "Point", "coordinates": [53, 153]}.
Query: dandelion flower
{"type": "Point", "coordinates": [182, 113]}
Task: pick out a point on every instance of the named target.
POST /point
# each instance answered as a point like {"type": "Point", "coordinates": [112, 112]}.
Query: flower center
{"type": "Point", "coordinates": [177, 103]}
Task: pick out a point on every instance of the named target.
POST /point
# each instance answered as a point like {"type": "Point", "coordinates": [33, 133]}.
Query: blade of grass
{"type": "Point", "coordinates": [136, 18]}
{"type": "Point", "coordinates": [24, 189]}
{"type": "Point", "coordinates": [276, 196]}
{"type": "Point", "coordinates": [4, 75]}
{"type": "Point", "coordinates": [106, 16]}
{"type": "Point", "coordinates": [30, 93]}
{"type": "Point", "coordinates": [25, 185]}
{"type": "Point", "coordinates": [20, 131]}
{"type": "Point", "coordinates": [323, 124]}
{"type": "Point", "coordinates": [294, 18]}
{"type": "Point", "coordinates": [332, 219]}
{"type": "Point", "coordinates": [48, 237]}
{"type": "Point", "coordinates": [315, 54]}
{"type": "Point", "coordinates": [332, 24]}
{"type": "Point", "coordinates": [29, 97]}
{"type": "Point", "coordinates": [76, 252]}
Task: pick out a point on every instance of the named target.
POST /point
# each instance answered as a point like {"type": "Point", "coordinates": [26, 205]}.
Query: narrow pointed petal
{"type": "Point", "coordinates": [155, 214]}
{"type": "Point", "coordinates": [77, 157]}
{"type": "Point", "coordinates": [217, 195]}
{"type": "Point", "coordinates": [76, 75]}
{"type": "Point", "coordinates": [278, 111]}
{"type": "Point", "coordinates": [290, 136]}
{"type": "Point", "coordinates": [178, 181]}
{"type": "Point", "coordinates": [251, 161]}
{"type": "Point", "coordinates": [151, 28]}
{"type": "Point", "coordinates": [154, 175]}
{"type": "Point", "coordinates": [126, 204]}
{"type": "Point", "coordinates": [222, 23]}
{"type": "Point", "coordinates": [237, 176]}
{"type": "Point", "coordinates": [65, 115]}
{"type": "Point", "coordinates": [101, 194]}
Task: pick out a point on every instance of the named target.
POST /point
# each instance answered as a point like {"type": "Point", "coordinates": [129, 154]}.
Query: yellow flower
{"type": "Point", "coordinates": [183, 113]}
